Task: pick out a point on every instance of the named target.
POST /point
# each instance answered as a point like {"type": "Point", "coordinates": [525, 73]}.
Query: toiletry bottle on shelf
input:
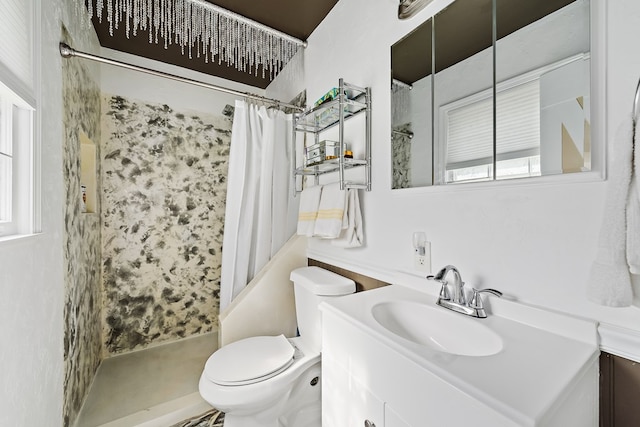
{"type": "Point", "coordinates": [84, 198]}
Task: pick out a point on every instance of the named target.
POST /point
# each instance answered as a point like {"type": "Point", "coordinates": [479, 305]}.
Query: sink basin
{"type": "Point", "coordinates": [437, 328]}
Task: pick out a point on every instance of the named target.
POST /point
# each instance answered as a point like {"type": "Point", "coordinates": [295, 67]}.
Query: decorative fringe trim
{"type": "Point", "coordinates": [207, 29]}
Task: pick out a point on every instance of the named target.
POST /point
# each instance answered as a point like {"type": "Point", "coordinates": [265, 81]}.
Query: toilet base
{"type": "Point", "coordinates": [300, 408]}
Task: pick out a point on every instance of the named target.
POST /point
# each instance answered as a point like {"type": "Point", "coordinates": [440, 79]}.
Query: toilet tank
{"type": "Point", "coordinates": [311, 286]}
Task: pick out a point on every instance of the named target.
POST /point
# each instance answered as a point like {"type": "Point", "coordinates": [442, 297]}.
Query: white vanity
{"type": "Point", "coordinates": [393, 358]}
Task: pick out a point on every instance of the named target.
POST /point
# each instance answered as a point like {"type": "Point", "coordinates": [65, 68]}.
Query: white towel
{"type": "Point", "coordinates": [351, 236]}
{"type": "Point", "coordinates": [308, 210]}
{"type": "Point", "coordinates": [330, 212]}
{"type": "Point", "coordinates": [633, 211]}
{"type": "Point", "coordinates": [609, 280]}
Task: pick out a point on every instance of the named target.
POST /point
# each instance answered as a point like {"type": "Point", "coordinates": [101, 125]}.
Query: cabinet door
{"type": "Point", "coordinates": [346, 402]}
{"type": "Point", "coordinates": [392, 419]}
{"type": "Point", "coordinates": [619, 391]}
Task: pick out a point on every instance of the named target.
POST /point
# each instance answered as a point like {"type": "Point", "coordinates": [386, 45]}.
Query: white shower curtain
{"type": "Point", "coordinates": [260, 213]}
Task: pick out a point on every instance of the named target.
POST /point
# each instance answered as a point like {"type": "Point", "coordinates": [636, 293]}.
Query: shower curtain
{"type": "Point", "coordinates": [260, 213]}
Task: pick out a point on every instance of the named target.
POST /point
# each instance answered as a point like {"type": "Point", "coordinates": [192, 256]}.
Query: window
{"type": "Point", "coordinates": [16, 131]}
{"type": "Point", "coordinates": [17, 106]}
{"type": "Point", "coordinates": [525, 111]}
{"type": "Point", "coordinates": [469, 135]}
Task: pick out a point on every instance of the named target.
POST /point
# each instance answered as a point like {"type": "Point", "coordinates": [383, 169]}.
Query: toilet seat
{"type": "Point", "coordinates": [249, 361]}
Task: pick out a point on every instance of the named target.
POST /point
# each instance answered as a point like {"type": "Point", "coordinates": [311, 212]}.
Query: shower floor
{"type": "Point", "coordinates": [156, 387]}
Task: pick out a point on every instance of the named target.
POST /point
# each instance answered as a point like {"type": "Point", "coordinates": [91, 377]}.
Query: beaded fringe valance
{"type": "Point", "coordinates": [201, 29]}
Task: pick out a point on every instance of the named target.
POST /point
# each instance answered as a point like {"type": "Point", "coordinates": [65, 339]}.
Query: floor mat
{"type": "Point", "coordinates": [213, 418]}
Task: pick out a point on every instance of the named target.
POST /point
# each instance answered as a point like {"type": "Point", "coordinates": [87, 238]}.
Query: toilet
{"type": "Point", "coordinates": [273, 381]}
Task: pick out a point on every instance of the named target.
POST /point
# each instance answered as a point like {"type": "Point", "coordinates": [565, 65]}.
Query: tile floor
{"type": "Point", "coordinates": [152, 387]}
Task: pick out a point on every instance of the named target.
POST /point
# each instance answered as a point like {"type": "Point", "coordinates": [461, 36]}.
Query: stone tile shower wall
{"type": "Point", "coordinates": [401, 157]}
{"type": "Point", "coordinates": [164, 191]}
{"type": "Point", "coordinates": [82, 245]}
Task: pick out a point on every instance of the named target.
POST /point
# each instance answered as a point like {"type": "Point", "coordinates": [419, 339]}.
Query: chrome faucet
{"type": "Point", "coordinates": [459, 303]}
{"type": "Point", "coordinates": [458, 284]}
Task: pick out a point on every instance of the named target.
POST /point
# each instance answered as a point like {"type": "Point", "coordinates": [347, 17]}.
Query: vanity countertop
{"type": "Point", "coordinates": [543, 353]}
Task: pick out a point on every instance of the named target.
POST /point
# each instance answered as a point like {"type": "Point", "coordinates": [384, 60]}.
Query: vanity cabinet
{"type": "Point", "coordinates": [372, 375]}
{"type": "Point", "coordinates": [351, 403]}
{"type": "Point", "coordinates": [365, 380]}
{"type": "Point", "coordinates": [350, 101]}
{"type": "Point", "coordinates": [392, 419]}
{"type": "Point", "coordinates": [619, 391]}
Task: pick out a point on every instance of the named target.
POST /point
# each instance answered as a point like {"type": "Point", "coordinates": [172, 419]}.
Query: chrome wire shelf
{"type": "Point", "coordinates": [349, 102]}
{"type": "Point", "coordinates": [327, 114]}
{"type": "Point", "coordinates": [329, 166]}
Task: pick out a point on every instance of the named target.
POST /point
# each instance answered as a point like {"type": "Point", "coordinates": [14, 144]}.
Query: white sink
{"type": "Point", "coordinates": [437, 328]}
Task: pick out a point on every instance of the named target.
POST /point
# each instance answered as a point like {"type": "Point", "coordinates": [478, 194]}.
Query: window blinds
{"type": "Point", "coordinates": [16, 32]}
{"type": "Point", "coordinates": [470, 128]}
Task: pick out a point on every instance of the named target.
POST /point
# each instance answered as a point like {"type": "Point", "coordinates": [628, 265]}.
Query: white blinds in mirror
{"type": "Point", "coordinates": [518, 121]}
{"type": "Point", "coordinates": [469, 127]}
{"type": "Point", "coordinates": [469, 135]}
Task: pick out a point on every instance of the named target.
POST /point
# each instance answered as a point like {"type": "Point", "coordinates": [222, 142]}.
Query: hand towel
{"type": "Point", "coordinates": [351, 236]}
{"type": "Point", "coordinates": [330, 212]}
{"type": "Point", "coordinates": [633, 210]}
{"type": "Point", "coordinates": [308, 210]}
{"type": "Point", "coordinates": [609, 280]}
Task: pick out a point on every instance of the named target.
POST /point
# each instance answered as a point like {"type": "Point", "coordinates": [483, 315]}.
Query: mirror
{"type": "Point", "coordinates": [411, 109]}
{"type": "Point", "coordinates": [539, 123]}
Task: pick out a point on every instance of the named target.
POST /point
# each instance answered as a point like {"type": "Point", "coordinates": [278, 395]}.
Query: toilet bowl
{"type": "Point", "coordinates": [273, 381]}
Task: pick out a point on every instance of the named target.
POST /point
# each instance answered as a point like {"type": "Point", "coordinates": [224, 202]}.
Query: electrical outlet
{"type": "Point", "coordinates": [423, 262]}
{"type": "Point", "coordinates": [422, 254]}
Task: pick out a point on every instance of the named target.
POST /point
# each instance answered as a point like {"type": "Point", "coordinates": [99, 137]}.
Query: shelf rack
{"type": "Point", "coordinates": [350, 102]}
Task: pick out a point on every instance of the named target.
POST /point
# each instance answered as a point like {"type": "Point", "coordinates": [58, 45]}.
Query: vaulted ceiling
{"type": "Point", "coordinates": [294, 17]}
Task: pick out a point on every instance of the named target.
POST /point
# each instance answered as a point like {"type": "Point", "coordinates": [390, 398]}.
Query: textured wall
{"type": "Point", "coordinates": [82, 245]}
{"type": "Point", "coordinates": [401, 157]}
{"type": "Point", "coordinates": [164, 183]}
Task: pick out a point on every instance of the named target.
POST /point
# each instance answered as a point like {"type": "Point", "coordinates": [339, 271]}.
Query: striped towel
{"type": "Point", "coordinates": [330, 212]}
{"type": "Point", "coordinates": [308, 210]}
{"type": "Point", "coordinates": [352, 235]}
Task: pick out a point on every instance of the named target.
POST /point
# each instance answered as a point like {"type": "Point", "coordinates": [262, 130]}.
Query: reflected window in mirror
{"type": "Point", "coordinates": [463, 94]}
{"type": "Point", "coordinates": [468, 130]}
{"type": "Point", "coordinates": [550, 44]}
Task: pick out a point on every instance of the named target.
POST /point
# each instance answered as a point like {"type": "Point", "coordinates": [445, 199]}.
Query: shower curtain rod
{"type": "Point", "coordinates": [67, 51]}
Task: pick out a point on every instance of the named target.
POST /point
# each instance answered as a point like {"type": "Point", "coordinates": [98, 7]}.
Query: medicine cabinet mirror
{"type": "Point", "coordinates": [472, 102]}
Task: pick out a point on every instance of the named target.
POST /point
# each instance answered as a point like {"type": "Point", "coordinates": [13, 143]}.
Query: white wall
{"type": "Point", "coordinates": [533, 241]}
{"type": "Point", "coordinates": [150, 88]}
{"type": "Point", "coordinates": [31, 276]}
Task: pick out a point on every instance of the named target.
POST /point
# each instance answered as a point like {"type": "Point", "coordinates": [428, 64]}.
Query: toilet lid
{"type": "Point", "coordinates": [249, 360]}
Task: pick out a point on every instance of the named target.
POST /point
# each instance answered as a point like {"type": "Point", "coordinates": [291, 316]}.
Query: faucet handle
{"type": "Point", "coordinates": [444, 290]}
{"type": "Point", "coordinates": [476, 299]}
